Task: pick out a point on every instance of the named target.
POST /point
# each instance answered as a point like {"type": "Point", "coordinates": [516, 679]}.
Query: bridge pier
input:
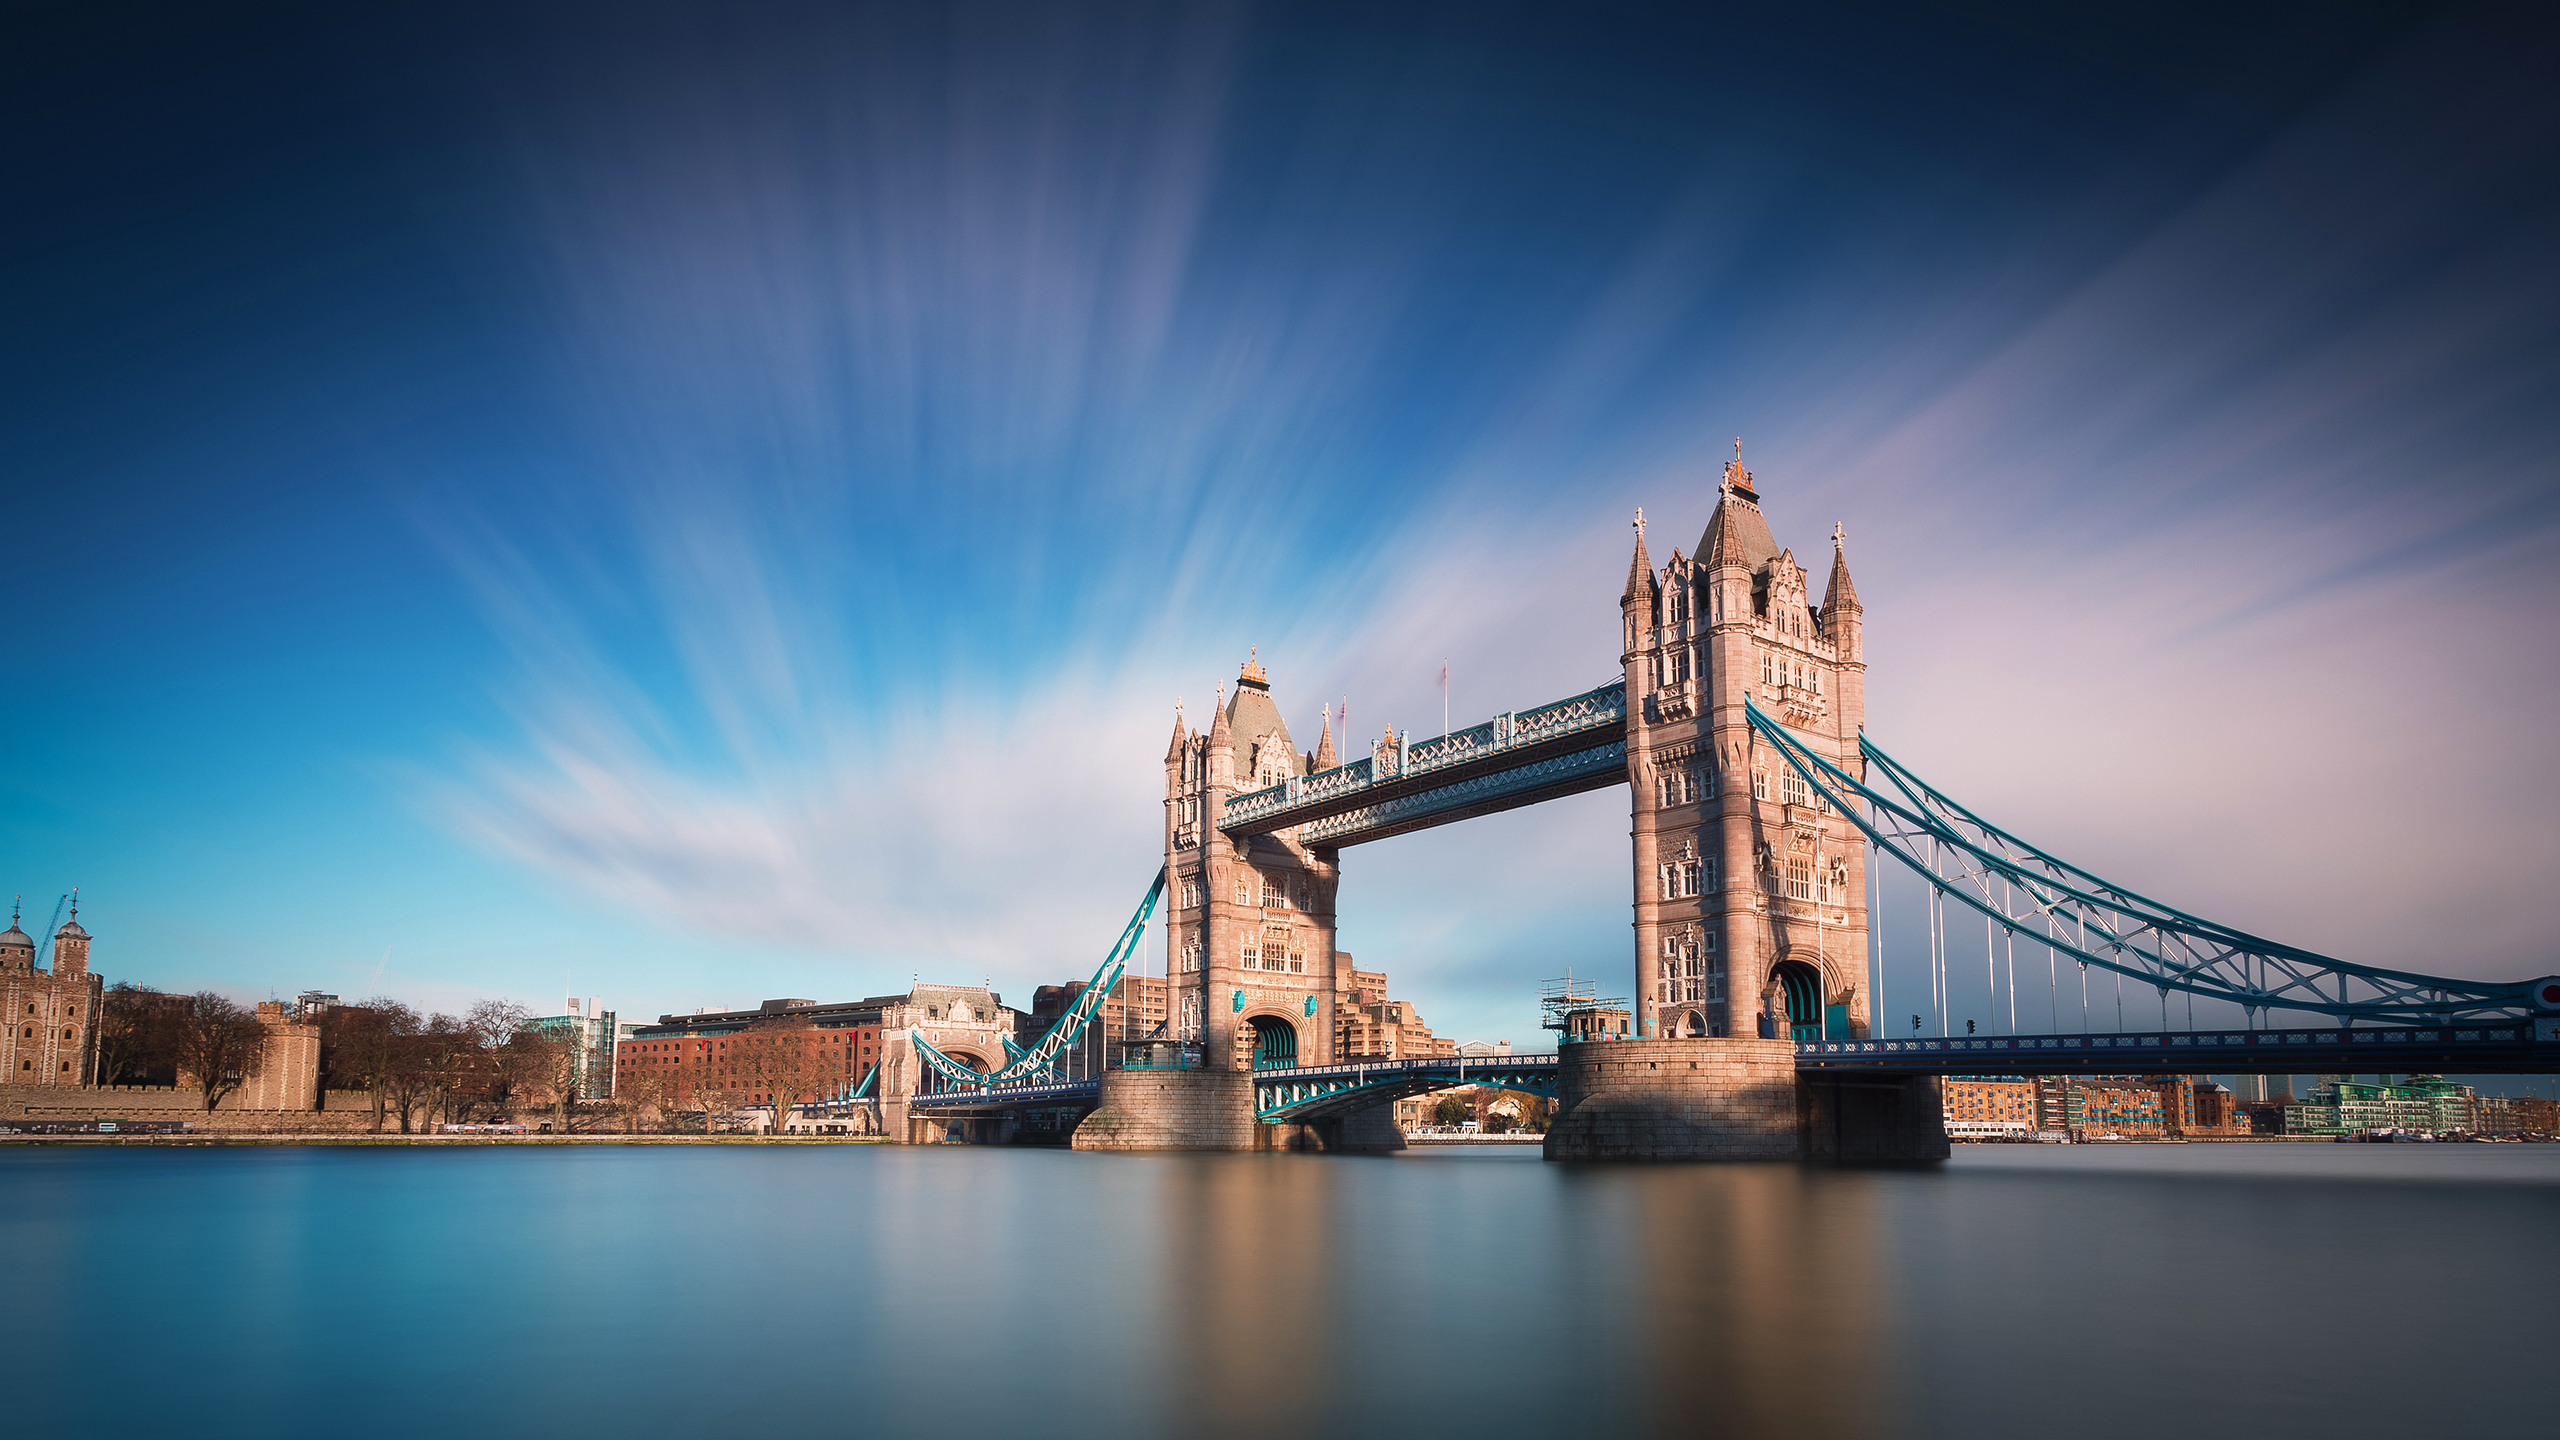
{"type": "Point", "coordinates": [1362, 1132]}
{"type": "Point", "coordinates": [1213, 1110]}
{"type": "Point", "coordinates": [1171, 1110]}
{"type": "Point", "coordinates": [1732, 1100]}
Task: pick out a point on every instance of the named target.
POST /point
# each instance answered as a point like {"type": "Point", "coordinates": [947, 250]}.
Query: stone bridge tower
{"type": "Point", "coordinates": [1750, 911]}
{"type": "Point", "coordinates": [1249, 923]}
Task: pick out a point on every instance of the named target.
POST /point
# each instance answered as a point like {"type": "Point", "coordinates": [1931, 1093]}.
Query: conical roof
{"type": "Point", "coordinates": [1253, 721]}
{"type": "Point", "coordinates": [1221, 735]}
{"type": "Point", "coordinates": [1326, 758]}
{"type": "Point", "coordinates": [1173, 750]}
{"type": "Point", "coordinates": [1639, 569]}
{"type": "Point", "coordinates": [1839, 594]}
{"type": "Point", "coordinates": [1737, 534]}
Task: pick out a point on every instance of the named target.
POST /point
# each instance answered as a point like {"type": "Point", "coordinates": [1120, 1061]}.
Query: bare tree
{"type": "Point", "coordinates": [137, 1034]}
{"type": "Point", "coordinates": [507, 1062]}
{"type": "Point", "coordinates": [218, 1043]}
{"type": "Point", "coordinates": [637, 1091]}
{"type": "Point", "coordinates": [707, 1088]}
{"type": "Point", "coordinates": [788, 1062]}
{"type": "Point", "coordinates": [450, 1064]}
{"type": "Point", "coordinates": [362, 1047]}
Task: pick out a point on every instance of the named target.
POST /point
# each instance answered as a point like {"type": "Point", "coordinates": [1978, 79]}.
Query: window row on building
{"type": "Point", "coordinates": [1802, 877]}
{"type": "Point", "coordinates": [1691, 969]}
{"type": "Point", "coordinates": [1690, 876]}
{"type": "Point", "coordinates": [1778, 669]}
{"type": "Point", "coordinates": [1792, 790]}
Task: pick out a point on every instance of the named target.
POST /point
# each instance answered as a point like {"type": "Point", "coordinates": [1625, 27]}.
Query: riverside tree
{"type": "Point", "coordinates": [218, 1043]}
{"type": "Point", "coordinates": [137, 1035]}
{"type": "Point", "coordinates": [788, 1061]}
{"type": "Point", "coordinates": [363, 1047]}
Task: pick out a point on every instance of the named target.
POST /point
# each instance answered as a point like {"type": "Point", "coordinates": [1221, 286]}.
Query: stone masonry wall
{"type": "Point", "coordinates": [1171, 1110]}
{"type": "Point", "coordinates": [160, 1102]}
{"type": "Point", "coordinates": [1362, 1132]}
{"type": "Point", "coordinates": [1676, 1100]}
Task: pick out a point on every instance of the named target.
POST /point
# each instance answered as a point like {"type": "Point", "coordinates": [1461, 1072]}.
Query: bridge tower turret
{"type": "Point", "coordinates": [1249, 926]}
{"type": "Point", "coordinates": [1750, 912]}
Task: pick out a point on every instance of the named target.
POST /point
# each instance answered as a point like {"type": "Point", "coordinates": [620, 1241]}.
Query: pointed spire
{"type": "Point", "coordinates": [1737, 478]}
{"type": "Point", "coordinates": [1840, 594]}
{"type": "Point", "coordinates": [1326, 759]}
{"type": "Point", "coordinates": [1639, 568]}
{"type": "Point", "coordinates": [1221, 735]}
{"type": "Point", "coordinates": [1252, 672]}
{"type": "Point", "coordinates": [1173, 751]}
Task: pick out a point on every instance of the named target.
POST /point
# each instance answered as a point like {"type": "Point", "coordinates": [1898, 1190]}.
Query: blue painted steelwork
{"type": "Point", "coordinates": [2495, 1048]}
{"type": "Point", "coordinates": [1017, 1093]}
{"type": "Point", "coordinates": [2098, 922]}
{"type": "Point", "coordinates": [1314, 1092]}
{"type": "Point", "coordinates": [1508, 761]}
{"type": "Point", "coordinates": [1043, 1058]}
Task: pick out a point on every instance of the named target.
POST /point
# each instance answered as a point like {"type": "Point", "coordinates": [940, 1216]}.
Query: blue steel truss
{"type": "Point", "coordinates": [1514, 759]}
{"type": "Point", "coordinates": [1042, 1059]}
{"type": "Point", "coordinates": [1314, 1092]}
{"type": "Point", "coordinates": [2497, 1048]}
{"type": "Point", "coordinates": [1012, 1094]}
{"type": "Point", "coordinates": [1548, 779]}
{"type": "Point", "coordinates": [2098, 922]}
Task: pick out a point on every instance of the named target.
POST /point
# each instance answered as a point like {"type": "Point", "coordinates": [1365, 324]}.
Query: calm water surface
{"type": "Point", "coordinates": [2191, 1291]}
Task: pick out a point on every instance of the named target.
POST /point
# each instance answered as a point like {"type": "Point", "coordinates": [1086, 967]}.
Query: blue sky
{"type": "Point", "coordinates": [687, 506]}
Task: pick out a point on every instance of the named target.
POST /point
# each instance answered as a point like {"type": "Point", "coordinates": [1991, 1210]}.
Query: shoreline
{"type": "Point", "coordinates": [288, 1138]}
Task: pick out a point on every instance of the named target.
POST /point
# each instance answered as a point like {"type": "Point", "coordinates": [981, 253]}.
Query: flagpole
{"type": "Point", "coordinates": [1444, 697]}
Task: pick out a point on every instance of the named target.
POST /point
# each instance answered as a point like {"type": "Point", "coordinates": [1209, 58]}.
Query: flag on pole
{"type": "Point", "coordinates": [1444, 697]}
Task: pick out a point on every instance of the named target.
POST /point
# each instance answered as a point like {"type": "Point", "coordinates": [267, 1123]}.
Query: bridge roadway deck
{"type": "Point", "coordinates": [2496, 1047]}
{"type": "Point", "coordinates": [1571, 746]}
{"type": "Point", "coordinates": [1314, 1091]}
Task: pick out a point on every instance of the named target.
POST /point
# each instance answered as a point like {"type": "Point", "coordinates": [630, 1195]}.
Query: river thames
{"type": "Point", "coordinates": [2197, 1290]}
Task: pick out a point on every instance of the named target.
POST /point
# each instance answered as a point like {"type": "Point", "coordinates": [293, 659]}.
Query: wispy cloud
{"type": "Point", "coordinates": [949, 451]}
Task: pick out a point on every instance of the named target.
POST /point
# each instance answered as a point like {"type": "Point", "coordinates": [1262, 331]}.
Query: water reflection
{"type": "Point", "coordinates": [943, 1290]}
{"type": "Point", "coordinates": [1247, 1291]}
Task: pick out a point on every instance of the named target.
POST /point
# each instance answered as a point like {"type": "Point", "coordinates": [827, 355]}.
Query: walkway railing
{"type": "Point", "coordinates": [2461, 1049]}
{"type": "Point", "coordinates": [1515, 757]}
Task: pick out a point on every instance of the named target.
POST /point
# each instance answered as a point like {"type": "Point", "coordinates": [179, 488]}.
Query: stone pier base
{"type": "Point", "coordinates": [1362, 1132]}
{"type": "Point", "coordinates": [1675, 1100]}
{"type": "Point", "coordinates": [1172, 1110]}
{"type": "Point", "coordinates": [1732, 1100]}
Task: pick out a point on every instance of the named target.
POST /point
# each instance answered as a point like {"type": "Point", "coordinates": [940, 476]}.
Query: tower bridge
{"type": "Point", "coordinates": [1736, 724]}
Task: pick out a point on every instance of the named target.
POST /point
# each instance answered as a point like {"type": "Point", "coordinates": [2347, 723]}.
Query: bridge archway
{"type": "Point", "coordinates": [941, 1083]}
{"type": "Point", "coordinates": [1274, 1041]}
{"type": "Point", "coordinates": [1686, 1025]}
{"type": "Point", "coordinates": [1800, 985]}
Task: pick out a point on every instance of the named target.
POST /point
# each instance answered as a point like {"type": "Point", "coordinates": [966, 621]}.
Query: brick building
{"type": "Point", "coordinates": [1369, 1024]}
{"type": "Point", "coordinates": [1985, 1107]}
{"type": "Point", "coordinates": [1134, 1011]}
{"type": "Point", "coordinates": [691, 1055]}
{"type": "Point", "coordinates": [52, 1032]}
{"type": "Point", "coordinates": [685, 1054]}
